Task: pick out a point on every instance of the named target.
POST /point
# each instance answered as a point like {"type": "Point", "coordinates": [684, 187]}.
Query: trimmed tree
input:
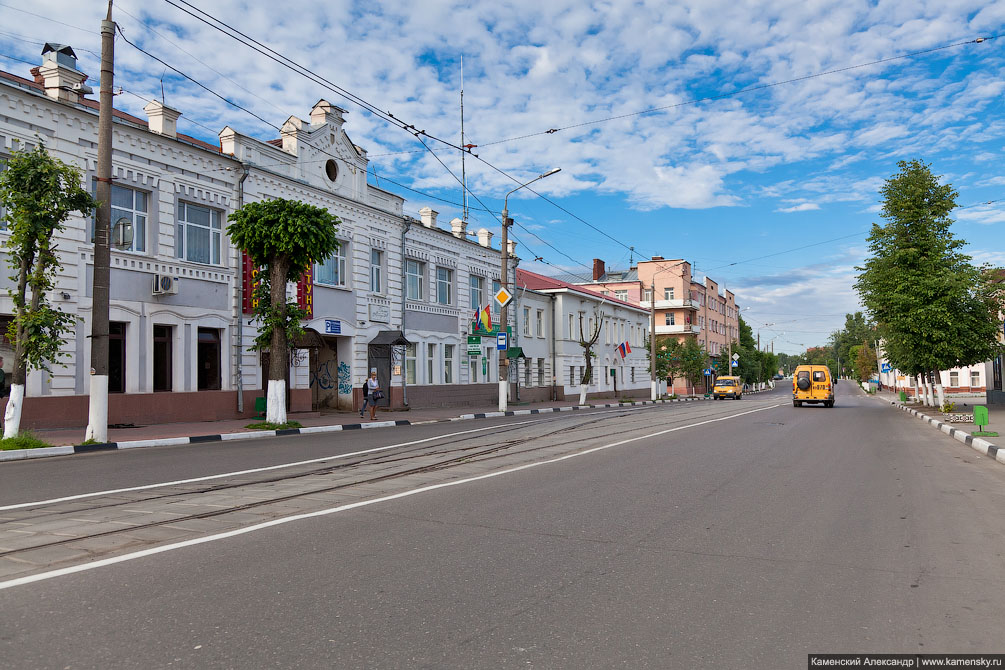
{"type": "Point", "coordinates": [933, 309]}
{"type": "Point", "coordinates": [587, 339]}
{"type": "Point", "coordinates": [38, 193]}
{"type": "Point", "coordinates": [283, 237]}
{"type": "Point", "coordinates": [668, 360]}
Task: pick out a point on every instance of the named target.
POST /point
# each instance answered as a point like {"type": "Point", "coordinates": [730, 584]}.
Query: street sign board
{"type": "Point", "coordinates": [503, 296]}
{"type": "Point", "coordinates": [474, 345]}
{"type": "Point", "coordinates": [333, 327]}
{"type": "Point", "coordinates": [735, 364]}
{"type": "Point", "coordinates": [707, 372]}
{"type": "Point", "coordinates": [501, 341]}
{"type": "Point", "coordinates": [885, 367]}
{"type": "Point", "coordinates": [736, 357]}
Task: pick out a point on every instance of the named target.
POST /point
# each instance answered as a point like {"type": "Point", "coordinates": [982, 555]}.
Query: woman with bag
{"type": "Point", "coordinates": [371, 394]}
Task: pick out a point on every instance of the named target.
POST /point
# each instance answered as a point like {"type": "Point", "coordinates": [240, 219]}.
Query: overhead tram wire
{"type": "Point", "coordinates": [292, 65]}
{"type": "Point", "coordinates": [417, 134]}
{"type": "Point", "coordinates": [748, 89]}
{"type": "Point", "coordinates": [494, 216]}
{"type": "Point", "coordinates": [195, 81]}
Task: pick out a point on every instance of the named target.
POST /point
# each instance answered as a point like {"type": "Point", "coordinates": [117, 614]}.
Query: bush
{"type": "Point", "coordinates": [948, 407]}
{"type": "Point", "coordinates": [265, 425]}
{"type": "Point", "coordinates": [24, 440]}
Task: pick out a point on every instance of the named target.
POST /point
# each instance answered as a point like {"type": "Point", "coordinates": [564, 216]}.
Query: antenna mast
{"type": "Point", "coordinates": [464, 178]}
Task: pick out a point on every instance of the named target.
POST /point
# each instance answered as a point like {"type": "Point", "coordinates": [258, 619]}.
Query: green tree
{"type": "Point", "coordinates": [588, 335]}
{"type": "Point", "coordinates": [668, 359]}
{"type": "Point", "coordinates": [39, 193]}
{"type": "Point", "coordinates": [865, 361]}
{"type": "Point", "coordinates": [933, 309]}
{"type": "Point", "coordinates": [284, 237]}
{"type": "Point", "coordinates": [693, 359]}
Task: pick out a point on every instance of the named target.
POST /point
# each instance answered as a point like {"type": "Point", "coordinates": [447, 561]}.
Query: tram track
{"type": "Point", "coordinates": [460, 452]}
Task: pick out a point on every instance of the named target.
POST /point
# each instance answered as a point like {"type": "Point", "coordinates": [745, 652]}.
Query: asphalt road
{"type": "Point", "coordinates": [746, 542]}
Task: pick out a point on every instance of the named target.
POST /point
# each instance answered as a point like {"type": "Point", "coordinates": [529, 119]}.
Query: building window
{"type": "Point", "coordinates": [444, 285]}
{"type": "Point", "coordinates": [526, 321]}
{"type": "Point", "coordinates": [540, 323]}
{"type": "Point", "coordinates": [414, 274]}
{"type": "Point", "coordinates": [208, 359]}
{"type": "Point", "coordinates": [473, 364]}
{"type": "Point", "coordinates": [448, 364]}
{"type": "Point", "coordinates": [572, 375]}
{"type": "Point", "coordinates": [572, 327]}
{"type": "Point", "coordinates": [975, 378]}
{"type": "Point", "coordinates": [495, 289]}
{"type": "Point", "coordinates": [116, 357]}
{"type": "Point", "coordinates": [476, 289]}
{"type": "Point", "coordinates": [540, 372]}
{"type": "Point", "coordinates": [430, 363]}
{"type": "Point", "coordinates": [526, 372]}
{"type": "Point", "coordinates": [130, 204]}
{"type": "Point", "coordinates": [332, 272]}
{"type": "Point", "coordinates": [633, 374]}
{"type": "Point", "coordinates": [647, 295]}
{"type": "Point", "coordinates": [199, 231]}
{"type": "Point", "coordinates": [621, 295]}
{"type": "Point", "coordinates": [410, 363]}
{"type": "Point", "coordinates": [954, 379]}
{"type": "Point", "coordinates": [668, 293]}
{"type": "Point", "coordinates": [376, 271]}
{"type": "Point", "coordinates": [162, 358]}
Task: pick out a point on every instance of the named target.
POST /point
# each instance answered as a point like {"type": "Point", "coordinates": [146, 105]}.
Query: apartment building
{"type": "Point", "coordinates": [682, 305]}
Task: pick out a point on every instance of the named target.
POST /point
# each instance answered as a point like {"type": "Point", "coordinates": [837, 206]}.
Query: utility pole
{"type": "Point", "coordinates": [97, 417]}
{"type": "Point", "coordinates": [504, 280]}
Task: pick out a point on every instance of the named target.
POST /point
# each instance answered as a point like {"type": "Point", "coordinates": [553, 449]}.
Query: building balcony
{"type": "Point", "coordinates": [677, 329]}
{"type": "Point", "coordinates": [672, 304]}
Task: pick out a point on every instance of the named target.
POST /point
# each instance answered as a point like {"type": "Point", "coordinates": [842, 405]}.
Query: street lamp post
{"type": "Point", "coordinates": [504, 253]}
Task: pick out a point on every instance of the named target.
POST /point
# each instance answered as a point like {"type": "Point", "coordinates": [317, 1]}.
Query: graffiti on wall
{"type": "Point", "coordinates": [344, 383]}
{"type": "Point", "coordinates": [322, 377]}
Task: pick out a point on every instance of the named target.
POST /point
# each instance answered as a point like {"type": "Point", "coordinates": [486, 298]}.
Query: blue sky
{"type": "Point", "coordinates": [735, 184]}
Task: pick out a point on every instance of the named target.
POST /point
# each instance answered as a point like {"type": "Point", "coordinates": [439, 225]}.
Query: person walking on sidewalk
{"type": "Point", "coordinates": [371, 394]}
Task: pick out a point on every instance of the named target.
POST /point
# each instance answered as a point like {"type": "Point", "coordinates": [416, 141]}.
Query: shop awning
{"type": "Point", "coordinates": [515, 352]}
{"type": "Point", "coordinates": [393, 338]}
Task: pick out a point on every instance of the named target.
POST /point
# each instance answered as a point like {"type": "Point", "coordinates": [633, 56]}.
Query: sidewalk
{"type": "Point", "coordinates": [964, 406]}
{"type": "Point", "coordinates": [68, 441]}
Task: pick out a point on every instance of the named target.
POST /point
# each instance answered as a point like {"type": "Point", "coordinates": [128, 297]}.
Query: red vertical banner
{"type": "Point", "coordinates": [305, 291]}
{"type": "Point", "coordinates": [250, 275]}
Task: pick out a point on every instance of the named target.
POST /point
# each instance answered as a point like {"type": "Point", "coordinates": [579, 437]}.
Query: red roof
{"type": "Point", "coordinates": [94, 104]}
{"type": "Point", "coordinates": [536, 282]}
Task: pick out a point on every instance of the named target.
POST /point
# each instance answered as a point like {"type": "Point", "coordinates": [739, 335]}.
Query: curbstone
{"type": "Point", "coordinates": [981, 445]}
{"type": "Point", "coordinates": [24, 454]}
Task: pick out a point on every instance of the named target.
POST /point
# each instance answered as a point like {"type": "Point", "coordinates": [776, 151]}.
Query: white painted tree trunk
{"type": "Point", "coordinates": [929, 395]}
{"type": "Point", "coordinates": [97, 410]}
{"type": "Point", "coordinates": [12, 417]}
{"type": "Point", "coordinates": [582, 394]}
{"type": "Point", "coordinates": [941, 393]}
{"type": "Point", "coordinates": [653, 391]}
{"type": "Point", "coordinates": [916, 382]}
{"type": "Point", "coordinates": [276, 402]}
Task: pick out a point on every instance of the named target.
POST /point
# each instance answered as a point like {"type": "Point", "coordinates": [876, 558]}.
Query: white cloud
{"type": "Point", "coordinates": [803, 207]}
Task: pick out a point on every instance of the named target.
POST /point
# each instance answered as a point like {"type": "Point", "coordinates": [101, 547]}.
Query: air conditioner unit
{"type": "Point", "coordinates": [165, 285]}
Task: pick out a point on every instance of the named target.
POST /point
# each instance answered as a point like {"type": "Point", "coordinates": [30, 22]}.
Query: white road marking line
{"type": "Point", "coordinates": [254, 470]}
{"type": "Point", "coordinates": [342, 508]}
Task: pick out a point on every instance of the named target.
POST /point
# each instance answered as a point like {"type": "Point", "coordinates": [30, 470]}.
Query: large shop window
{"type": "Point", "coordinates": [162, 358]}
{"type": "Point", "coordinates": [116, 357]}
{"type": "Point", "coordinates": [208, 356]}
{"type": "Point", "coordinates": [198, 235]}
{"type": "Point", "coordinates": [332, 272]}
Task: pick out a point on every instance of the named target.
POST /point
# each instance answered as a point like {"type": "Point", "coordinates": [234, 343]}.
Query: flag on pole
{"type": "Point", "coordinates": [624, 349]}
{"type": "Point", "coordinates": [483, 319]}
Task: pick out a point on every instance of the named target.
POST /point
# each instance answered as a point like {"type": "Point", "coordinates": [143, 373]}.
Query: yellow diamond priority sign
{"type": "Point", "coordinates": [503, 297]}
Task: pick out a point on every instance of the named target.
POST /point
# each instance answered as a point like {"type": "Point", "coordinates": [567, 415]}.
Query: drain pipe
{"type": "Point", "coordinates": [240, 303]}
{"type": "Point", "coordinates": [404, 299]}
{"type": "Point", "coordinates": [554, 370]}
